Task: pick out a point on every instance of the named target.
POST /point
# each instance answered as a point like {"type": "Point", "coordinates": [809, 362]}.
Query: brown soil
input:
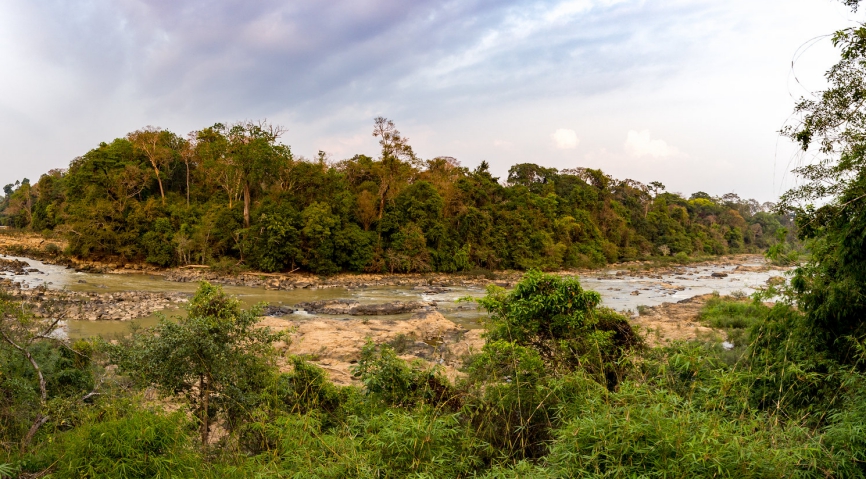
{"type": "Point", "coordinates": [13, 242]}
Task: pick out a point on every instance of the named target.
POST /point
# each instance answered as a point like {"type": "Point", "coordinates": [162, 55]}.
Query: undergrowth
{"type": "Point", "coordinates": [561, 389]}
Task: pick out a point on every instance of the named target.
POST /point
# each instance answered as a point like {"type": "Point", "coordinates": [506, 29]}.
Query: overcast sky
{"type": "Point", "coordinates": [687, 92]}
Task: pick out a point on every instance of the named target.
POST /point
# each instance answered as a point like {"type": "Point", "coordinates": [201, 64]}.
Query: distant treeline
{"type": "Point", "coordinates": [232, 192]}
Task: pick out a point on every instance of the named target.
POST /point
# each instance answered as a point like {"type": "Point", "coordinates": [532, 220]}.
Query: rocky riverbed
{"type": "Point", "coordinates": [334, 316]}
{"type": "Point", "coordinates": [429, 337]}
{"type": "Point", "coordinates": [669, 322]}
{"type": "Point", "coordinates": [423, 326]}
{"type": "Point", "coordinates": [83, 306]}
{"type": "Point", "coordinates": [354, 308]}
{"type": "Point", "coordinates": [335, 344]}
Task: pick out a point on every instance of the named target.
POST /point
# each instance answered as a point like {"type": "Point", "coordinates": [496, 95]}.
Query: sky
{"type": "Point", "coordinates": [691, 93]}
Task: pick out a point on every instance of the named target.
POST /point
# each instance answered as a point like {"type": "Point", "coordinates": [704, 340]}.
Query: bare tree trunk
{"type": "Point", "coordinates": [159, 180]}
{"type": "Point", "coordinates": [246, 204]}
{"type": "Point", "coordinates": [43, 392]}
{"type": "Point", "coordinates": [28, 438]}
{"type": "Point", "coordinates": [205, 397]}
{"type": "Point", "coordinates": [383, 191]}
{"type": "Point", "coordinates": [187, 183]}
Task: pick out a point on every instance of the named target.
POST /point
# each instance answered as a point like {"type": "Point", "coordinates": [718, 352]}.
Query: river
{"type": "Point", "coordinates": [620, 290]}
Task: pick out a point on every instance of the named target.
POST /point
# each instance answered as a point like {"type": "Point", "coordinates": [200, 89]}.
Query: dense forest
{"type": "Point", "coordinates": [235, 192]}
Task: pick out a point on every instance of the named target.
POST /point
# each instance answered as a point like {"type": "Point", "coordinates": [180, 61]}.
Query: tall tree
{"type": "Point", "coordinates": [151, 141]}
{"type": "Point", "coordinates": [216, 356]}
{"type": "Point", "coordinates": [255, 156]}
{"type": "Point", "coordinates": [211, 149]}
{"type": "Point", "coordinates": [187, 152]}
{"type": "Point", "coordinates": [397, 161]}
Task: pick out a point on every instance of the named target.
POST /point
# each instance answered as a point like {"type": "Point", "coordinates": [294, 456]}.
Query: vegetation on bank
{"type": "Point", "coordinates": [232, 194]}
{"type": "Point", "coordinates": [561, 388]}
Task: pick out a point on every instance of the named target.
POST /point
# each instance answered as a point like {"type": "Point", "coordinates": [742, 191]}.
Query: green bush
{"type": "Point", "coordinates": [641, 432]}
{"type": "Point", "coordinates": [732, 314]}
{"type": "Point", "coordinates": [554, 316]}
{"type": "Point", "coordinates": [142, 444]}
{"type": "Point", "coordinates": [394, 382]}
{"type": "Point", "coordinates": [419, 443]}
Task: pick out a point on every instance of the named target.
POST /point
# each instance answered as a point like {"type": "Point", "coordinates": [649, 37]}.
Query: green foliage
{"type": "Point", "coordinates": [829, 288]}
{"type": "Point", "coordinates": [513, 413]}
{"type": "Point", "coordinates": [528, 406]}
{"type": "Point", "coordinates": [297, 446]}
{"type": "Point", "coordinates": [391, 381]}
{"type": "Point", "coordinates": [8, 471]}
{"type": "Point", "coordinates": [782, 253]}
{"type": "Point", "coordinates": [140, 444]}
{"type": "Point", "coordinates": [724, 314]}
{"type": "Point", "coordinates": [276, 240]}
{"type": "Point", "coordinates": [233, 191]}
{"type": "Point", "coordinates": [640, 432]}
{"type": "Point", "coordinates": [216, 356]}
{"type": "Point", "coordinates": [561, 322]}
{"type": "Point", "coordinates": [157, 243]}
{"type": "Point", "coordinates": [845, 433]}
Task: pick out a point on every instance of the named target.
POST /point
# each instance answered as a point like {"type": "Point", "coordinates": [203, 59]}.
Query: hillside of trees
{"type": "Point", "coordinates": [234, 191]}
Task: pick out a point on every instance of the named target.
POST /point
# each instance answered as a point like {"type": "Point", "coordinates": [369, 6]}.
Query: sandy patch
{"type": "Point", "coordinates": [335, 344]}
{"type": "Point", "coordinates": [670, 322]}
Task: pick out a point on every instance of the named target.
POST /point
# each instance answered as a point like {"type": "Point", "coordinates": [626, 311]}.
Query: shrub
{"type": "Point", "coordinates": [394, 382]}
{"type": "Point", "coordinates": [726, 313]}
{"type": "Point", "coordinates": [558, 319]}
{"type": "Point", "coordinates": [640, 432]}
{"type": "Point", "coordinates": [142, 444]}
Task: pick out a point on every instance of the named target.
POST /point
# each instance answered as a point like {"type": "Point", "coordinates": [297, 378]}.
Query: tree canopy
{"type": "Point", "coordinates": [234, 191]}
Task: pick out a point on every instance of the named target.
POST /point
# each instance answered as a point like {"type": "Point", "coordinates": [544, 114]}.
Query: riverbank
{"type": "Point", "coordinates": [331, 332]}
{"type": "Point", "coordinates": [49, 250]}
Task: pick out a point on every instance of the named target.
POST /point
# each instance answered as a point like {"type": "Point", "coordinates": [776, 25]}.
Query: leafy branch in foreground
{"type": "Point", "coordinates": [217, 357]}
{"type": "Point", "coordinates": [831, 287]}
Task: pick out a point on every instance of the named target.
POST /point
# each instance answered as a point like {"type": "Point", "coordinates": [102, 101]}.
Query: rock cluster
{"type": "Point", "coordinates": [354, 308]}
{"type": "Point", "coordinates": [678, 321]}
{"type": "Point", "coordinates": [276, 310]}
{"type": "Point", "coordinates": [14, 266]}
{"type": "Point", "coordinates": [429, 283]}
{"type": "Point", "coordinates": [119, 306]}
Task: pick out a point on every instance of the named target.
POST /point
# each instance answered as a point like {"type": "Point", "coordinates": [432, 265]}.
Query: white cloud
{"type": "Point", "coordinates": [566, 10]}
{"type": "Point", "coordinates": [565, 139]}
{"type": "Point", "coordinates": [640, 144]}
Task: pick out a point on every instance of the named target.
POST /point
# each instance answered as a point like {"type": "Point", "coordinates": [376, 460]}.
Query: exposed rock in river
{"type": "Point", "coordinates": [14, 266]}
{"type": "Point", "coordinates": [120, 306]}
{"type": "Point", "coordinates": [354, 308]}
{"type": "Point", "coordinates": [669, 322]}
{"type": "Point", "coordinates": [276, 310]}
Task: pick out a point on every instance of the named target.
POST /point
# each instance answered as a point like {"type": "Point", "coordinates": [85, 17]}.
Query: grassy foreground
{"type": "Point", "coordinates": [562, 388]}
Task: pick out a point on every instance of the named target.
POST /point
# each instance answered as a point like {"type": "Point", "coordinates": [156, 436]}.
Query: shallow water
{"type": "Point", "coordinates": [616, 292]}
